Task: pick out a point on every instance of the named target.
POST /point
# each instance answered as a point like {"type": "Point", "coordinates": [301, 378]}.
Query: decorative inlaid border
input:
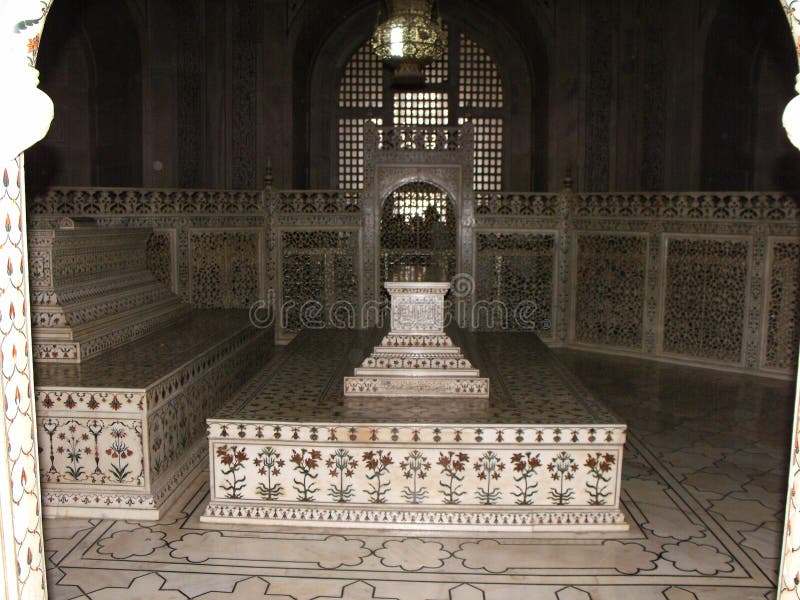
{"type": "Point", "coordinates": [539, 520]}
{"type": "Point", "coordinates": [401, 434]}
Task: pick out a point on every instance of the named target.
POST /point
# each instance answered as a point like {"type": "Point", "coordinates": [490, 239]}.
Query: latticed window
{"type": "Point", "coordinates": [463, 86]}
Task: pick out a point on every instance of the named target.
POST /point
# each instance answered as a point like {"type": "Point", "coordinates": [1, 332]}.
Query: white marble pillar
{"type": "Point", "coordinates": [25, 115]}
{"type": "Point", "coordinates": [789, 577]}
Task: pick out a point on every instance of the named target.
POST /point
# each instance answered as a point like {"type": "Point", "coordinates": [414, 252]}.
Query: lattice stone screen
{"type": "Point", "coordinates": [714, 277]}
{"type": "Point", "coordinates": [160, 258]}
{"type": "Point", "coordinates": [782, 331]}
{"type": "Point", "coordinates": [319, 278]}
{"type": "Point", "coordinates": [224, 268]}
{"type": "Point", "coordinates": [514, 282]}
{"type": "Point", "coordinates": [706, 298]}
{"type": "Point", "coordinates": [610, 289]}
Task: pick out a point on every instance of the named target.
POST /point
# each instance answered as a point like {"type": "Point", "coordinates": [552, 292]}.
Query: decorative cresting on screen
{"type": "Point", "coordinates": [366, 95]}
{"type": "Point", "coordinates": [609, 288]}
{"type": "Point", "coordinates": [319, 279]}
{"type": "Point", "coordinates": [706, 297]}
{"type": "Point", "coordinates": [179, 218]}
{"type": "Point", "coordinates": [418, 228]}
{"type": "Point", "coordinates": [515, 282]}
{"type": "Point", "coordinates": [782, 331]}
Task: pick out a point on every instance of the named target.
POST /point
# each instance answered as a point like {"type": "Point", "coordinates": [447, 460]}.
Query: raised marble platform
{"type": "Point", "coordinates": [539, 454]}
{"type": "Point", "coordinates": [117, 433]}
{"type": "Point", "coordinates": [417, 357]}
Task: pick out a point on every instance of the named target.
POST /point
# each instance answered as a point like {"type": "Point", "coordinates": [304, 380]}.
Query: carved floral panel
{"type": "Point", "coordinates": [320, 281]}
{"type": "Point", "coordinates": [159, 257]}
{"type": "Point", "coordinates": [705, 297]}
{"type": "Point", "coordinates": [609, 292]}
{"type": "Point", "coordinates": [514, 281]}
{"type": "Point", "coordinates": [224, 268]}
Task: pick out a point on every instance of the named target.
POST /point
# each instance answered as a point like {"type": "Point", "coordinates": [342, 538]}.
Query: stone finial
{"type": "Point", "coordinates": [568, 178]}
{"type": "Point", "coordinates": [268, 179]}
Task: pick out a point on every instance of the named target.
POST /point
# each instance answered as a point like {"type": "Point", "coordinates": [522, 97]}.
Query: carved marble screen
{"type": "Point", "coordinates": [418, 228]}
{"type": "Point", "coordinates": [319, 278]}
{"type": "Point", "coordinates": [515, 281]}
{"type": "Point", "coordinates": [705, 297]}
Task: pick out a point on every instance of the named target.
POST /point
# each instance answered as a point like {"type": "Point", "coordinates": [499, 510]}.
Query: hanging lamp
{"type": "Point", "coordinates": [409, 39]}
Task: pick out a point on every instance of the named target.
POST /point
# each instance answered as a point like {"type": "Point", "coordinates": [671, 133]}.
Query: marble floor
{"type": "Point", "coordinates": [704, 485]}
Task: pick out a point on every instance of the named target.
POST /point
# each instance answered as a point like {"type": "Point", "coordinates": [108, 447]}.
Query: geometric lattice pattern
{"type": "Point", "coordinates": [706, 293]}
{"type": "Point", "coordinates": [514, 282]}
{"type": "Point", "coordinates": [479, 83]}
{"type": "Point", "coordinates": [362, 83]}
{"type": "Point", "coordinates": [783, 333]}
{"type": "Point", "coordinates": [488, 140]}
{"type": "Point", "coordinates": [351, 152]}
{"type": "Point", "coordinates": [420, 108]}
{"type": "Point", "coordinates": [364, 94]}
{"type": "Point", "coordinates": [610, 289]}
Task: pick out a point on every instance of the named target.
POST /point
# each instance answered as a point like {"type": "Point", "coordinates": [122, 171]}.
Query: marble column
{"type": "Point", "coordinates": [789, 575]}
{"type": "Point", "coordinates": [25, 115]}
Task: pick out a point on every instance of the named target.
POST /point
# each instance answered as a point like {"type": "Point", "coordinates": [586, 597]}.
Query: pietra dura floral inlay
{"type": "Point", "coordinates": [120, 431]}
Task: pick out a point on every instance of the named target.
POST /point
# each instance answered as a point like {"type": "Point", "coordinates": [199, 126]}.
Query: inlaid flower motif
{"type": "Point", "coordinates": [488, 467]}
{"type": "Point", "coordinates": [415, 467]}
{"type": "Point", "coordinates": [269, 463]}
{"type": "Point", "coordinates": [232, 459]}
{"type": "Point", "coordinates": [562, 468]}
{"type": "Point", "coordinates": [33, 44]}
{"type": "Point", "coordinates": [341, 464]}
{"type": "Point", "coordinates": [378, 462]}
{"type": "Point", "coordinates": [525, 466]}
{"type": "Point", "coordinates": [453, 465]}
{"type": "Point", "coordinates": [306, 463]}
{"type": "Point", "coordinates": [599, 464]}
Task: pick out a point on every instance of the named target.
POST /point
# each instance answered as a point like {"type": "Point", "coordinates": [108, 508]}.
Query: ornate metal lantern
{"type": "Point", "coordinates": [409, 39]}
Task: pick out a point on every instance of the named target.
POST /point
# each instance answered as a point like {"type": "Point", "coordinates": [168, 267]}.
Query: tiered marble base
{"type": "Point", "coordinates": [417, 357]}
{"type": "Point", "coordinates": [118, 433]}
{"type": "Point", "coordinates": [540, 454]}
{"type": "Point", "coordinates": [91, 291]}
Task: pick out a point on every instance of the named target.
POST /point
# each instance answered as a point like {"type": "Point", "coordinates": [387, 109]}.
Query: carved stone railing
{"type": "Point", "coordinates": [418, 138]}
{"type": "Point", "coordinates": [82, 201]}
{"type": "Point", "coordinates": [699, 205]}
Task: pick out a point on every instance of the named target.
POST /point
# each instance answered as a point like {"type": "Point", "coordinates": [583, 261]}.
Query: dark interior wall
{"type": "Point", "coordinates": [622, 94]}
{"type": "Point", "coordinates": [90, 64]}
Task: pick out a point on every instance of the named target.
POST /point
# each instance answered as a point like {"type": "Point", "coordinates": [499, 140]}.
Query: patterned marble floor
{"type": "Point", "coordinates": [704, 471]}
